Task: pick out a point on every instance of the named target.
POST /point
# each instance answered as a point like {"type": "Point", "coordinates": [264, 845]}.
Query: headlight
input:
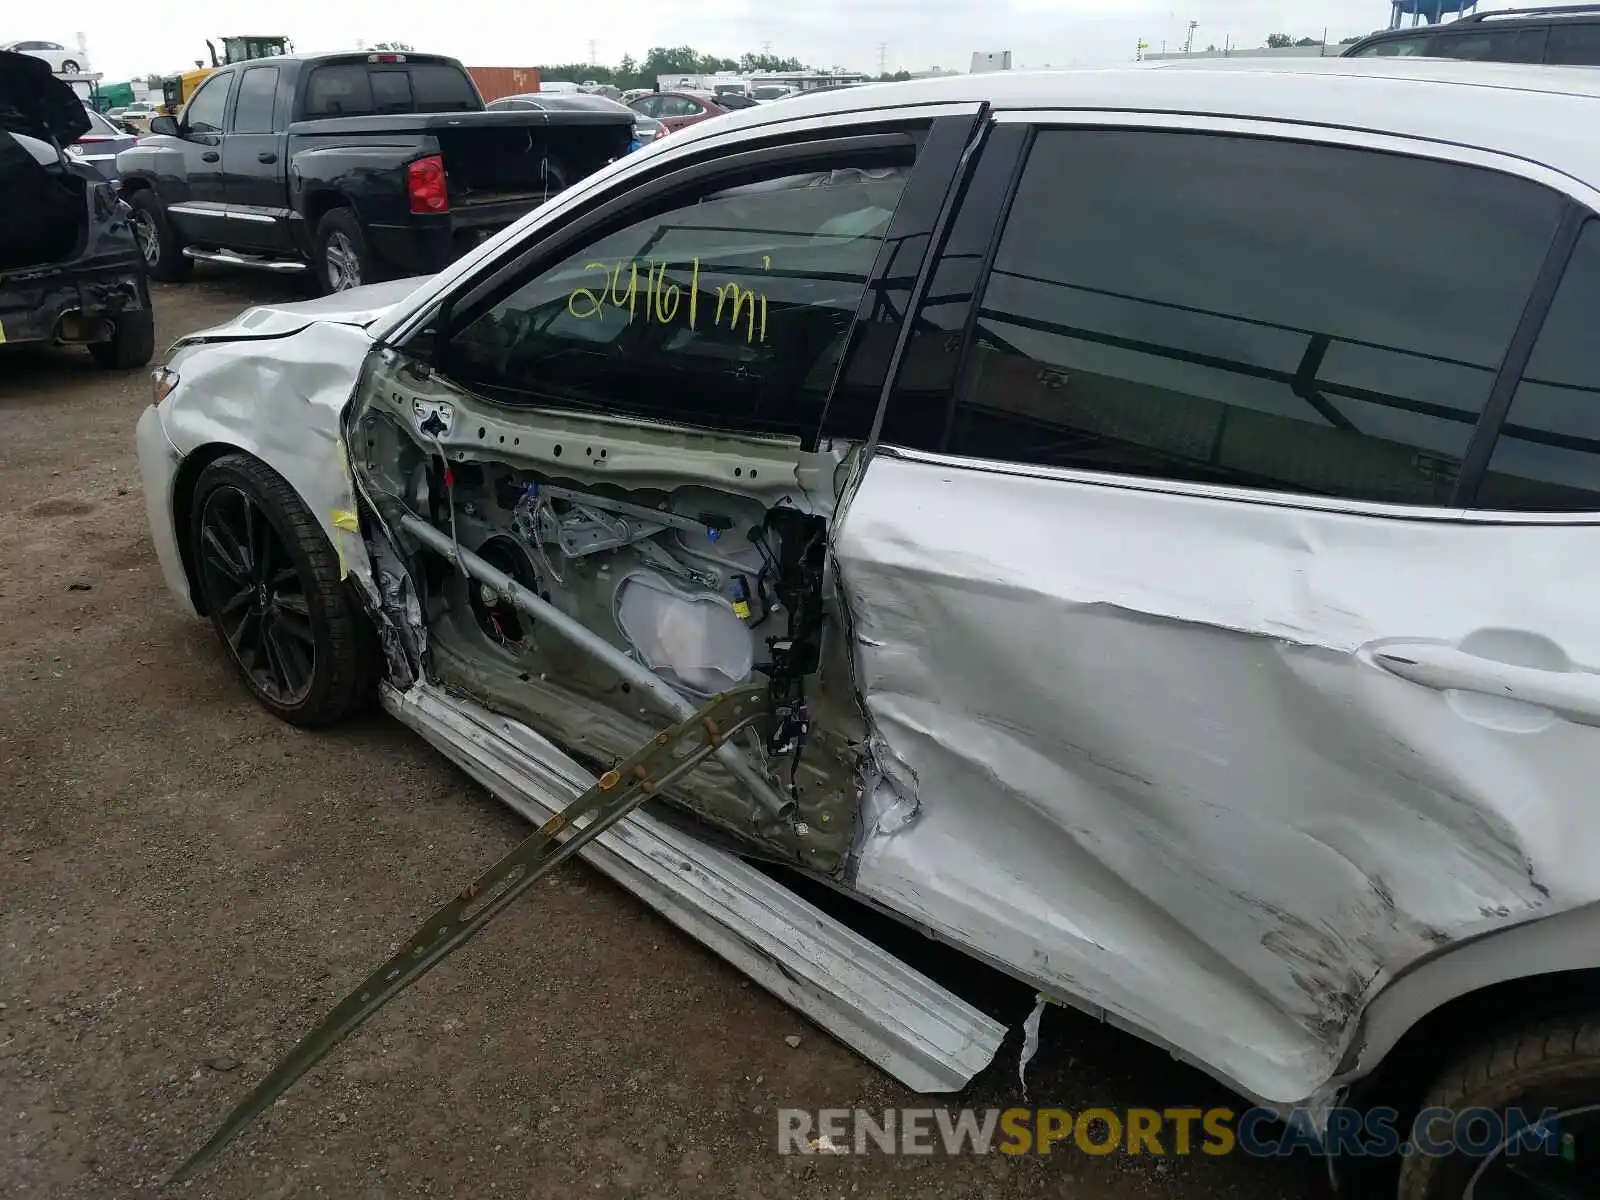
{"type": "Point", "coordinates": [162, 381]}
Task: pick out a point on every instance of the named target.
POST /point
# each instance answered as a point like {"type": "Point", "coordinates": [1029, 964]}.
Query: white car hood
{"type": "Point", "coordinates": [358, 306]}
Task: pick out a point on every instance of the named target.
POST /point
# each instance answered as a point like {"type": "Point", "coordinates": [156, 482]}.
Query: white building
{"type": "Point", "coordinates": [1317, 51]}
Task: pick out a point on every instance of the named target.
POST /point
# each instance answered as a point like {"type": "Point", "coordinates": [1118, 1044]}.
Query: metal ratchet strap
{"type": "Point", "coordinates": [643, 774]}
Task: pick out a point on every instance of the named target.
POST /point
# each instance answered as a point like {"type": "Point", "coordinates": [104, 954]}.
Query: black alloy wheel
{"type": "Point", "coordinates": [274, 586]}
{"type": "Point", "coordinates": [256, 594]}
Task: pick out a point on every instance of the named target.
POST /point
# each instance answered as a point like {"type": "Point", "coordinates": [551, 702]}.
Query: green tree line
{"type": "Point", "coordinates": [1282, 41]}
{"type": "Point", "coordinates": [674, 60]}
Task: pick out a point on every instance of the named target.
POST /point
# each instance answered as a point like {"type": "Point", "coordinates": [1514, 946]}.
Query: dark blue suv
{"type": "Point", "coordinates": [1564, 35]}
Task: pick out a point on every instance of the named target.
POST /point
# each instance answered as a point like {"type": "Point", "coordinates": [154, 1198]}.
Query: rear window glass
{"type": "Point", "coordinates": [362, 89]}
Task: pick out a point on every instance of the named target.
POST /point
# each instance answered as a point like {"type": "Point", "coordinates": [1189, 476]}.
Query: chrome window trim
{"type": "Point", "coordinates": [1236, 495]}
{"type": "Point", "coordinates": [1361, 139]}
{"type": "Point", "coordinates": [616, 180]}
{"type": "Point", "coordinates": [1333, 135]}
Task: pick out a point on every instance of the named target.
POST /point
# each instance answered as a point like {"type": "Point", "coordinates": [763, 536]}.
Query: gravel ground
{"type": "Point", "coordinates": [186, 885]}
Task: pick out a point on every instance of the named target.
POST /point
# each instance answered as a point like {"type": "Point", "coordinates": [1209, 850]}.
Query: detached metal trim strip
{"type": "Point", "coordinates": [923, 1035]}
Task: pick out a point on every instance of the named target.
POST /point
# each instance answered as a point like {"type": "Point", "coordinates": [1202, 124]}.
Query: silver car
{"type": "Point", "coordinates": [1145, 510]}
{"type": "Point", "coordinates": [645, 129]}
{"type": "Point", "coordinates": [101, 145]}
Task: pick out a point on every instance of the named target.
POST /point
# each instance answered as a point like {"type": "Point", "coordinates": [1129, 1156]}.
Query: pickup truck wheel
{"type": "Point", "coordinates": [132, 344]}
{"type": "Point", "coordinates": [343, 258]}
{"type": "Point", "coordinates": [1549, 1065]}
{"type": "Point", "coordinates": [158, 242]}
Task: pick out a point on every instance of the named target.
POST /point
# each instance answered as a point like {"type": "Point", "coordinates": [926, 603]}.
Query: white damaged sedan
{"type": "Point", "coordinates": [1142, 514]}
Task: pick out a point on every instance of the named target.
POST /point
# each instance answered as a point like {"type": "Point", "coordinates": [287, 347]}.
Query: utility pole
{"type": "Point", "coordinates": [883, 58]}
{"type": "Point", "coordinates": [766, 48]}
{"type": "Point", "coordinates": [591, 52]}
{"type": "Point", "coordinates": [1188, 42]}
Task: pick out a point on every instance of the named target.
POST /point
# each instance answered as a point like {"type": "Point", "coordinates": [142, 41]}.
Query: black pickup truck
{"type": "Point", "coordinates": [359, 167]}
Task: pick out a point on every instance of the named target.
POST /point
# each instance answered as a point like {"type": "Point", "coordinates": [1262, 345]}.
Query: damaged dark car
{"type": "Point", "coordinates": [70, 269]}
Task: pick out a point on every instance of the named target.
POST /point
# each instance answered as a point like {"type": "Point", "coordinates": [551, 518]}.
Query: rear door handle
{"type": "Point", "coordinates": [266, 156]}
{"type": "Point", "coordinates": [1574, 694]}
{"type": "Point", "coordinates": [210, 156]}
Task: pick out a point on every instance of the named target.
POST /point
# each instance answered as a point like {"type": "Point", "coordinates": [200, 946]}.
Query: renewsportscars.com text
{"type": "Point", "coordinates": [1258, 1132]}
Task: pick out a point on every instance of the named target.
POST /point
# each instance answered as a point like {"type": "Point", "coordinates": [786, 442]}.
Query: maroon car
{"type": "Point", "coordinates": [677, 110]}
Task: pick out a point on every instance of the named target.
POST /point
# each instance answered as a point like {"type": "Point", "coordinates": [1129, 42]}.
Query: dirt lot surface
{"type": "Point", "coordinates": [186, 885]}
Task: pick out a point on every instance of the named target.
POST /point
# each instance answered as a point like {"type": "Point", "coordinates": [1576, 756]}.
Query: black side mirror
{"type": "Point", "coordinates": [165, 125]}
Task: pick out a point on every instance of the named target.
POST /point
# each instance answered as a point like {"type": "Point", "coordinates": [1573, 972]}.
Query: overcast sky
{"type": "Point", "coordinates": [139, 36]}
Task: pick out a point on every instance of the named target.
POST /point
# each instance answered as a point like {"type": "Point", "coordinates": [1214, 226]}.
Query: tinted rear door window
{"type": "Point", "coordinates": [1251, 312]}
{"type": "Point", "coordinates": [258, 91]}
{"type": "Point", "coordinates": [1524, 45]}
{"type": "Point", "coordinates": [1574, 45]}
{"type": "Point", "coordinates": [1548, 455]}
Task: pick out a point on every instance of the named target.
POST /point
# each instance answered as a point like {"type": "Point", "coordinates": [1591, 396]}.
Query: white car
{"type": "Point", "coordinates": [62, 60]}
{"type": "Point", "coordinates": [1153, 509]}
{"type": "Point", "coordinates": [137, 117]}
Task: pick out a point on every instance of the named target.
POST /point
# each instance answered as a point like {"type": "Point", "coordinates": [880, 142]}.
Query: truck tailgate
{"type": "Point", "coordinates": [491, 156]}
{"type": "Point", "coordinates": [531, 160]}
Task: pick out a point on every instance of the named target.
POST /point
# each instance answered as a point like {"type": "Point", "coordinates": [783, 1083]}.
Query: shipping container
{"type": "Point", "coordinates": [495, 82]}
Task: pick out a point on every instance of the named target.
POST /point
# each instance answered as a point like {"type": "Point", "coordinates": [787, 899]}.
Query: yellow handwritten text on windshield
{"type": "Point", "coordinates": [642, 289]}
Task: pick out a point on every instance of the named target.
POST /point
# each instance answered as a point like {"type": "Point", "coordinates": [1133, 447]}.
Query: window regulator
{"type": "Point", "coordinates": [646, 772]}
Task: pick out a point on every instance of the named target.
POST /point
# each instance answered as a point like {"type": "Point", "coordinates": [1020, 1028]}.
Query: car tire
{"type": "Point", "coordinates": [69, 67]}
{"type": "Point", "coordinates": [165, 260]}
{"type": "Point", "coordinates": [295, 632]}
{"type": "Point", "coordinates": [343, 259]}
{"type": "Point", "coordinates": [1554, 1063]}
{"type": "Point", "coordinates": [132, 344]}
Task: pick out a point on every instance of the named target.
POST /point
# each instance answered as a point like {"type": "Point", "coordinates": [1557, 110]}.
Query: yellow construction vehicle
{"type": "Point", "coordinates": [176, 89]}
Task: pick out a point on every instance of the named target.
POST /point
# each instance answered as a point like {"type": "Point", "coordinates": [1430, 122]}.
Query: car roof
{"type": "Point", "coordinates": [1542, 113]}
{"type": "Point", "coordinates": [315, 59]}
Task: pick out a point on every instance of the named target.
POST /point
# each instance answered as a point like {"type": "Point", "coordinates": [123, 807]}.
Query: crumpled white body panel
{"type": "Point", "coordinates": [280, 399]}
{"type": "Point", "coordinates": [1157, 770]}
